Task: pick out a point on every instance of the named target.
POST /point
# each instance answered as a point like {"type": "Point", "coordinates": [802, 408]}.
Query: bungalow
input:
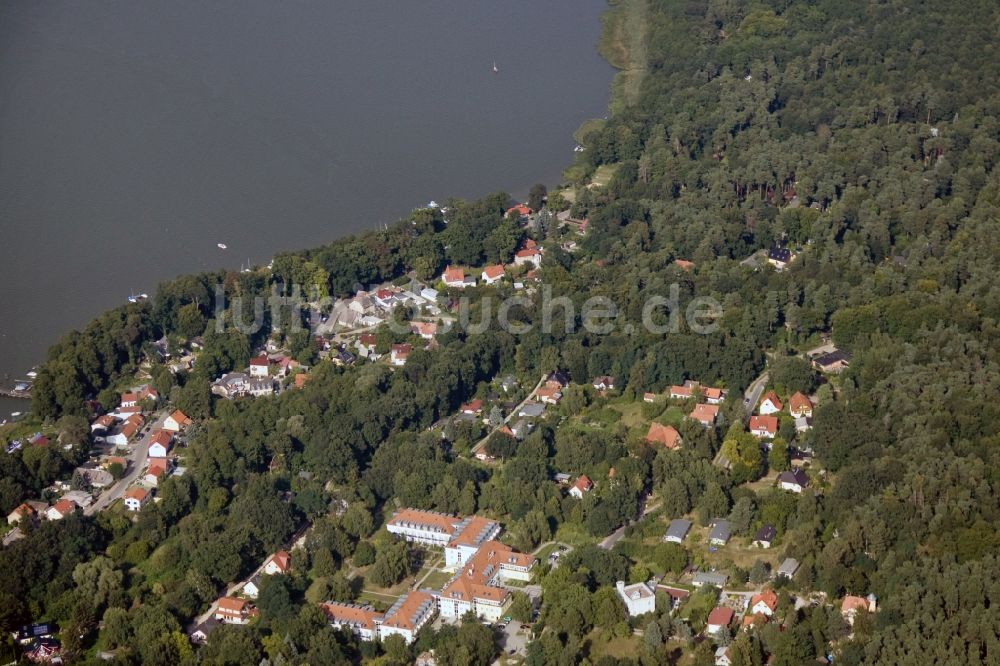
{"type": "Point", "coordinates": [766, 602]}
{"type": "Point", "coordinates": [712, 578]}
{"type": "Point", "coordinates": [770, 404]}
{"type": "Point", "coordinates": [455, 277]}
{"type": "Point", "coordinates": [233, 610]}
{"type": "Point", "coordinates": [251, 589]}
{"type": "Point", "coordinates": [649, 397]}
{"type": "Point", "coordinates": [102, 424]}
{"type": "Point", "coordinates": [124, 434]}
{"type": "Point", "coordinates": [176, 422]}
{"type": "Point", "coordinates": [666, 435]}
{"type": "Point", "coordinates": [719, 620]}
{"type": "Point", "coordinates": [604, 383]}
{"type": "Point", "coordinates": [834, 362]}
{"type": "Point", "coordinates": [492, 274]}
{"type": "Point", "coordinates": [713, 396]}
{"type": "Point", "coordinates": [721, 532]}
{"type": "Point", "coordinates": [765, 536]}
{"type": "Point", "coordinates": [473, 407]}
{"type": "Point", "coordinates": [159, 444]}
{"type": "Point", "coordinates": [677, 530]}
{"type": "Point", "coordinates": [61, 509]}
{"type": "Point", "coordinates": [582, 486]}
{"type": "Point", "coordinates": [638, 598]}
{"type": "Point", "coordinates": [386, 299]}
{"type": "Point", "coordinates": [764, 426]}
{"type": "Point", "coordinates": [787, 568]}
{"type": "Point", "coordinates": [722, 657]}
{"type": "Point", "coordinates": [528, 256]}
{"type": "Point", "coordinates": [520, 211]}
{"type": "Point", "coordinates": [682, 392]}
{"type": "Point", "coordinates": [279, 563]}
{"type": "Point", "coordinates": [794, 480]}
{"type": "Point", "coordinates": [399, 354]}
{"type": "Point", "coordinates": [136, 498]}
{"type": "Point", "coordinates": [429, 295]}
{"type": "Point", "coordinates": [779, 257]}
{"type": "Point", "coordinates": [850, 606]}
{"type": "Point", "coordinates": [25, 510]}
{"type": "Point", "coordinates": [259, 366]}
{"type": "Point", "coordinates": [532, 410]}
{"type": "Point", "coordinates": [365, 345]}
{"type": "Point", "coordinates": [800, 405]}
{"type": "Point", "coordinates": [705, 414]}
{"type": "Point", "coordinates": [425, 329]}
{"type": "Point", "coordinates": [549, 395]}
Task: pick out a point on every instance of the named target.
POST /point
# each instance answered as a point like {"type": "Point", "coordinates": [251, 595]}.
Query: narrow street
{"type": "Point", "coordinates": [513, 413]}
{"type": "Point", "coordinates": [137, 463]}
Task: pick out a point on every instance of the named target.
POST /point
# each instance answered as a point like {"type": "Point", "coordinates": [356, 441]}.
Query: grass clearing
{"type": "Point", "coordinates": [437, 580]}
{"type": "Point", "coordinates": [623, 45]}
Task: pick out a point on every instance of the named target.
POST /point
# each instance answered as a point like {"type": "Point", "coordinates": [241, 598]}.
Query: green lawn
{"type": "Point", "coordinates": [437, 580]}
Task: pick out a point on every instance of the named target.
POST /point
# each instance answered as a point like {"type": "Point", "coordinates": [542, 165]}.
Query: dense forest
{"type": "Point", "coordinates": [865, 135]}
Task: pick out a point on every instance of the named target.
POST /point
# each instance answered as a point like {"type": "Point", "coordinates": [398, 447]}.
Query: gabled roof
{"type": "Point", "coordinates": [282, 559]}
{"type": "Point", "coordinates": [767, 423]}
{"type": "Point", "coordinates": [260, 361]}
{"type": "Point", "coordinates": [769, 597]}
{"type": "Point", "coordinates": [663, 434]}
{"type": "Point", "coordinates": [795, 476]}
{"type": "Point", "coordinates": [853, 603]}
{"type": "Point", "coordinates": [180, 417]}
{"type": "Point", "coordinates": [583, 484]}
{"type": "Point", "coordinates": [705, 413]}
{"type": "Point", "coordinates": [161, 437]}
{"type": "Point", "coordinates": [232, 604]}
{"type": "Point", "coordinates": [520, 209]}
{"type": "Point", "coordinates": [454, 274]}
{"type": "Point", "coordinates": [799, 402]}
{"type": "Point", "coordinates": [65, 506]}
{"type": "Point", "coordinates": [766, 533]}
{"type": "Point", "coordinates": [720, 616]}
{"type": "Point", "coordinates": [430, 520]}
{"type": "Point", "coordinates": [494, 271]}
{"type": "Point", "coordinates": [137, 493]}
{"type": "Point", "coordinates": [351, 614]}
{"type": "Point", "coordinates": [772, 397]}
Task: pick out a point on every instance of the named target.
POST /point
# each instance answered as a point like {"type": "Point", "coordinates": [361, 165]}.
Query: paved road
{"type": "Point", "coordinates": [616, 536]}
{"type": "Point", "coordinates": [481, 443]}
{"type": "Point", "coordinates": [137, 463]}
{"type": "Point", "coordinates": [750, 398]}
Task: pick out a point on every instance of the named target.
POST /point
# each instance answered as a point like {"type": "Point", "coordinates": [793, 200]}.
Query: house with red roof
{"type": "Point", "coordinates": [260, 366]}
{"type": "Point", "coordinates": [279, 563]}
{"type": "Point", "coordinates": [472, 407]}
{"type": "Point", "coordinates": [766, 603]}
{"type": "Point", "coordinates": [705, 414]}
{"type": "Point", "coordinates": [399, 353]}
{"type": "Point", "coordinates": [157, 471]}
{"type": "Point", "coordinates": [176, 422]}
{"type": "Point", "coordinates": [425, 329]}
{"type": "Point", "coordinates": [852, 605]}
{"type": "Point", "coordinates": [582, 486]}
{"type": "Point", "coordinates": [23, 511]}
{"type": "Point", "coordinates": [770, 404]}
{"type": "Point", "coordinates": [665, 435]}
{"type": "Point", "coordinates": [493, 274]}
{"type": "Point", "coordinates": [800, 405]}
{"type": "Point", "coordinates": [61, 509]}
{"type": "Point", "coordinates": [519, 211]}
{"type": "Point", "coordinates": [136, 498]}
{"type": "Point", "coordinates": [528, 256]}
{"type": "Point", "coordinates": [719, 619]}
{"type": "Point", "coordinates": [233, 610]}
{"type": "Point", "coordinates": [454, 276]}
{"type": "Point", "coordinates": [763, 427]}
{"type": "Point", "coordinates": [159, 443]}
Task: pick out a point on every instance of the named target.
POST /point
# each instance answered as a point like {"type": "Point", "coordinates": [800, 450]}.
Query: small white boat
{"type": "Point", "coordinates": [221, 246]}
{"type": "Point", "coordinates": [496, 69]}
{"type": "Point", "coordinates": [31, 374]}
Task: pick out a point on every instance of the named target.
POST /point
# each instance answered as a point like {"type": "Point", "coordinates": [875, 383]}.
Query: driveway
{"type": "Point", "coordinates": [514, 639]}
{"type": "Point", "coordinates": [137, 463]}
{"type": "Point", "coordinates": [616, 536]}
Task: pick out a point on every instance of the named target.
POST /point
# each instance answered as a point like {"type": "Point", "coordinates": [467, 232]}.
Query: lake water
{"type": "Point", "coordinates": [134, 136]}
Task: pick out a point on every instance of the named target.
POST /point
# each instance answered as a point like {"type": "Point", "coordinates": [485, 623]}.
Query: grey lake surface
{"type": "Point", "coordinates": [135, 136]}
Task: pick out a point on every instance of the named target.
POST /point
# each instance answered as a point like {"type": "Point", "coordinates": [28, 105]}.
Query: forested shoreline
{"type": "Point", "coordinates": [863, 136]}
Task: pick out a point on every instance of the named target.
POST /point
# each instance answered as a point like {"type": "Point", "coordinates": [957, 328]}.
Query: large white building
{"type": "Point", "coordinates": [478, 585]}
{"type": "Point", "coordinates": [460, 537]}
{"type": "Point", "coordinates": [406, 617]}
{"type": "Point", "coordinates": [638, 598]}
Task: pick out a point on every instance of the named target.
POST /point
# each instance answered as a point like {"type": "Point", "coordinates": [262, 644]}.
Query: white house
{"type": "Point", "coordinates": [399, 354]}
{"type": "Point", "coordinates": [159, 444]}
{"type": "Point", "coordinates": [763, 427]}
{"type": "Point", "coordinates": [638, 598]}
{"type": "Point", "coordinates": [582, 486]}
{"type": "Point", "coordinates": [718, 620]}
{"type": "Point", "coordinates": [528, 256]}
{"type": "Point", "coordinates": [252, 587]}
{"type": "Point", "coordinates": [60, 509]}
{"type": "Point", "coordinates": [794, 480]}
{"type": "Point", "coordinates": [176, 422]}
{"type": "Point", "coordinates": [766, 602]}
{"type": "Point", "coordinates": [279, 563]}
{"type": "Point", "coordinates": [259, 366]}
{"type": "Point", "coordinates": [455, 277]}
{"type": "Point", "coordinates": [136, 498]}
{"type": "Point", "coordinates": [233, 610]}
{"type": "Point", "coordinates": [770, 404]}
{"type": "Point", "coordinates": [492, 274]}
{"type": "Point", "coordinates": [722, 656]}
